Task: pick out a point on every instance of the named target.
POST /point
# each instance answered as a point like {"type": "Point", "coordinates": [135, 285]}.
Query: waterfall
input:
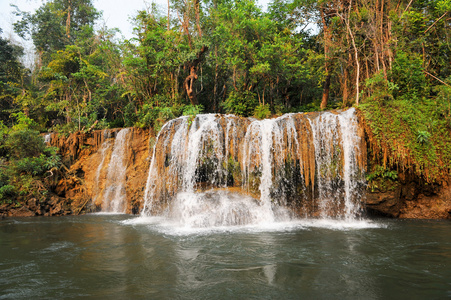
{"type": "Point", "coordinates": [353, 177]}
{"type": "Point", "coordinates": [47, 138]}
{"type": "Point", "coordinates": [103, 151]}
{"type": "Point", "coordinates": [221, 170]}
{"type": "Point", "coordinates": [114, 197]}
{"type": "Point", "coordinates": [264, 144]}
{"type": "Point", "coordinates": [338, 177]}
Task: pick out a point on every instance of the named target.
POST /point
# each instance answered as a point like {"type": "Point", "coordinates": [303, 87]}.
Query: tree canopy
{"type": "Point", "coordinates": [233, 57]}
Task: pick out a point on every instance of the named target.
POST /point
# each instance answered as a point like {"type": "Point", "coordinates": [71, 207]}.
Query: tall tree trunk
{"type": "Point", "coordinates": [215, 87]}
{"type": "Point", "coordinates": [188, 84]}
{"type": "Point", "coordinates": [169, 9]}
{"type": "Point", "coordinates": [345, 87]}
{"type": "Point", "coordinates": [356, 55]}
{"type": "Point", "coordinates": [327, 40]}
{"type": "Point", "coordinates": [68, 19]}
{"type": "Point", "coordinates": [197, 10]}
{"type": "Point", "coordinates": [326, 90]}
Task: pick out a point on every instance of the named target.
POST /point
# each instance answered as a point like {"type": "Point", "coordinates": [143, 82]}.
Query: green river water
{"type": "Point", "coordinates": [125, 257]}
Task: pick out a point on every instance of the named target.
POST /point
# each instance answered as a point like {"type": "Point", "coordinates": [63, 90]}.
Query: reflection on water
{"type": "Point", "coordinates": [118, 256]}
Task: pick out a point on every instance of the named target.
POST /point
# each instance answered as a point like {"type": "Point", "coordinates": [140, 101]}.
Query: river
{"type": "Point", "coordinates": [127, 257]}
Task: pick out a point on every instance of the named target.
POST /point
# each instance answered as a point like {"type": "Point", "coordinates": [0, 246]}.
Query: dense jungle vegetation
{"type": "Point", "coordinates": [390, 59]}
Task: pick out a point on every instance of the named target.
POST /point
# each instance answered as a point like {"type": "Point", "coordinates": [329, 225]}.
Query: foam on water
{"type": "Point", "coordinates": [173, 228]}
{"type": "Point", "coordinates": [224, 212]}
{"type": "Point", "coordinates": [108, 213]}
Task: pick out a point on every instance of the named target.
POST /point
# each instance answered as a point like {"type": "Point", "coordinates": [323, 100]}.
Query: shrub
{"type": "Point", "coordinates": [24, 143]}
{"type": "Point", "coordinates": [262, 111]}
{"type": "Point", "coordinates": [192, 110]}
{"type": "Point", "coordinates": [408, 75]}
{"type": "Point", "coordinates": [241, 103]}
{"type": "Point", "coordinates": [7, 192]}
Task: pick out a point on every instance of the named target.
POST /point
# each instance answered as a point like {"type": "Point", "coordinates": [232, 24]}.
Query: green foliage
{"type": "Point", "coordinates": [57, 23]}
{"type": "Point", "coordinates": [310, 107]}
{"type": "Point", "coordinates": [415, 135]}
{"type": "Point", "coordinates": [379, 89]}
{"type": "Point", "coordinates": [31, 165]}
{"type": "Point", "coordinates": [262, 111]}
{"type": "Point", "coordinates": [241, 104]}
{"type": "Point", "coordinates": [257, 57]}
{"type": "Point", "coordinates": [24, 143]}
{"type": "Point", "coordinates": [165, 114]}
{"type": "Point", "coordinates": [25, 160]}
{"type": "Point", "coordinates": [407, 75]}
{"type": "Point", "coordinates": [192, 110]}
{"type": "Point", "coordinates": [423, 137]}
{"type": "Point", "coordinates": [7, 191]}
{"type": "Point", "coordinates": [382, 179]}
{"type": "Point", "coordinates": [85, 76]}
{"type": "Point", "coordinates": [382, 172]}
{"type": "Point", "coordinates": [154, 116]}
{"type": "Point", "coordinates": [12, 77]}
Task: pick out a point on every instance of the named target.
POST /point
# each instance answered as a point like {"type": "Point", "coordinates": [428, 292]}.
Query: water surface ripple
{"type": "Point", "coordinates": [123, 257]}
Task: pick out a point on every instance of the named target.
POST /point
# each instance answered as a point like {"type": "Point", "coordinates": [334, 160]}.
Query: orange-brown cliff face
{"type": "Point", "coordinates": [87, 157]}
{"type": "Point", "coordinates": [410, 197]}
{"type": "Point", "coordinates": [91, 178]}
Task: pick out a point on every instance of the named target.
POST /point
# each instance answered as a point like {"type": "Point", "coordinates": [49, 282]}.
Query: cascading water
{"type": "Point", "coordinates": [264, 144]}
{"type": "Point", "coordinates": [191, 155]}
{"type": "Point", "coordinates": [47, 138]}
{"type": "Point", "coordinates": [222, 170]}
{"type": "Point", "coordinates": [104, 149]}
{"type": "Point", "coordinates": [329, 162]}
{"type": "Point", "coordinates": [114, 196]}
{"type": "Point", "coordinates": [338, 176]}
{"type": "Point", "coordinates": [352, 175]}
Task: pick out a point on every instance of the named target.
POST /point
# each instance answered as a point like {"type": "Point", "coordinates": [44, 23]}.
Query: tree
{"type": "Point", "coordinates": [259, 58]}
{"type": "Point", "coordinates": [55, 24]}
{"type": "Point", "coordinates": [12, 77]}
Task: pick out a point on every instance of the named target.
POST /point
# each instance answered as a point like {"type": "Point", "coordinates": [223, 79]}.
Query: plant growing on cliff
{"type": "Point", "coordinates": [26, 161]}
{"type": "Point", "coordinates": [191, 111]}
{"type": "Point", "coordinates": [381, 178]}
{"type": "Point", "coordinates": [409, 135]}
{"type": "Point", "coordinates": [423, 137]}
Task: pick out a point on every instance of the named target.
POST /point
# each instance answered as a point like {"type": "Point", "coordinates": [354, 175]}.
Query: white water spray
{"type": "Point", "coordinates": [103, 151]}
{"type": "Point", "coordinates": [114, 197]}
{"type": "Point", "coordinates": [188, 176]}
{"type": "Point", "coordinates": [335, 139]}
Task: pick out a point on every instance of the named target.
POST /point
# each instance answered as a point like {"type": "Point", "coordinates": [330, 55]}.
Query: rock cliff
{"type": "Point", "coordinates": [87, 168]}
{"type": "Point", "coordinates": [410, 197]}
{"type": "Point", "coordinates": [87, 157]}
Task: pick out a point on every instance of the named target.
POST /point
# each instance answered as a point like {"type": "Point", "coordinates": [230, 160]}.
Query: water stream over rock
{"type": "Point", "coordinates": [222, 170]}
{"type": "Point", "coordinates": [113, 196]}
